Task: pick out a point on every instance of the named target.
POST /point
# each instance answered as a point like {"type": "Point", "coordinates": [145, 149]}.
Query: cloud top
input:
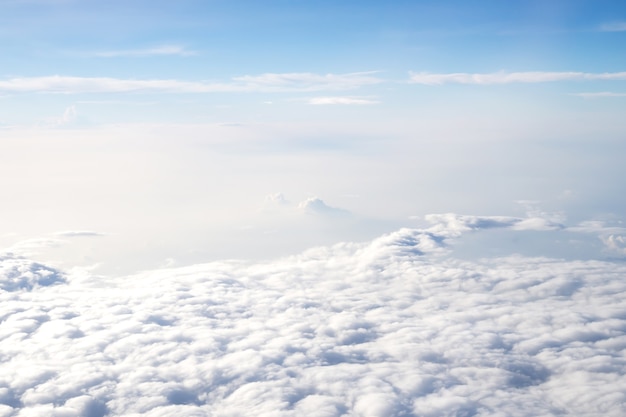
{"type": "Point", "coordinates": [377, 329]}
{"type": "Point", "coordinates": [17, 273]}
{"type": "Point", "coordinates": [317, 206]}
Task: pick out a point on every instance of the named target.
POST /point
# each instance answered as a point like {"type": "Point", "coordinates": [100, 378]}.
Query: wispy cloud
{"type": "Point", "coordinates": [510, 77]}
{"type": "Point", "coordinates": [306, 81]}
{"type": "Point", "coordinates": [290, 82]}
{"type": "Point", "coordinates": [613, 27]}
{"type": "Point", "coordinates": [341, 100]}
{"type": "Point", "coordinates": [600, 94]}
{"type": "Point", "coordinates": [79, 233]}
{"type": "Point", "coordinates": [155, 51]}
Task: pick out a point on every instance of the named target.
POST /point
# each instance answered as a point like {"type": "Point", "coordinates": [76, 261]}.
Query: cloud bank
{"type": "Point", "coordinates": [384, 328]}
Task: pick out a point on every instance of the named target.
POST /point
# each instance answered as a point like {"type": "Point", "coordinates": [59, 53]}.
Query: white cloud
{"type": "Point", "coordinates": [380, 328]}
{"type": "Point", "coordinates": [79, 233]}
{"type": "Point", "coordinates": [451, 224]}
{"type": "Point", "coordinates": [317, 206]}
{"type": "Point", "coordinates": [277, 203]}
{"type": "Point", "coordinates": [613, 237]}
{"type": "Point", "coordinates": [615, 243]}
{"type": "Point", "coordinates": [261, 83]}
{"type": "Point", "coordinates": [308, 81]}
{"type": "Point", "coordinates": [275, 199]}
{"type": "Point", "coordinates": [69, 115]}
{"type": "Point", "coordinates": [156, 51]}
{"type": "Point", "coordinates": [17, 274]}
{"type": "Point", "coordinates": [67, 119]}
{"type": "Point", "coordinates": [341, 100]}
{"type": "Point", "coordinates": [613, 27]}
{"type": "Point", "coordinates": [510, 77]}
{"type": "Point", "coordinates": [29, 247]}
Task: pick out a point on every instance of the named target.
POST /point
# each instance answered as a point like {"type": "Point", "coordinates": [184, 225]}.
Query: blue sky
{"type": "Point", "coordinates": [161, 121]}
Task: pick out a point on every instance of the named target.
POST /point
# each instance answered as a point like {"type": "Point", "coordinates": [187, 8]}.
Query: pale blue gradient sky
{"type": "Point", "coordinates": [164, 125]}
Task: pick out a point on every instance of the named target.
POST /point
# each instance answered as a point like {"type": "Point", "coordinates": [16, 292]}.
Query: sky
{"type": "Point", "coordinates": [163, 132]}
{"type": "Point", "coordinates": [312, 208]}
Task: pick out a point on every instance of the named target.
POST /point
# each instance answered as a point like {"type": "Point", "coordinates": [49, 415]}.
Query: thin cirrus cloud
{"type": "Point", "coordinates": [321, 101]}
{"type": "Point", "coordinates": [511, 77]}
{"type": "Point", "coordinates": [156, 51]}
{"type": "Point", "coordinates": [602, 94]}
{"type": "Point", "coordinates": [613, 27]}
{"type": "Point", "coordinates": [270, 82]}
{"type": "Point", "coordinates": [79, 233]}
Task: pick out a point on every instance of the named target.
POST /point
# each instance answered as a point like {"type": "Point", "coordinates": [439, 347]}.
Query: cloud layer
{"type": "Point", "coordinates": [283, 82]}
{"type": "Point", "coordinates": [391, 327]}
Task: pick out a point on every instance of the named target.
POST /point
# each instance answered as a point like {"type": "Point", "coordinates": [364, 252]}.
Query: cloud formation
{"type": "Point", "coordinates": [28, 247]}
{"type": "Point", "coordinates": [383, 328]}
{"type": "Point", "coordinates": [451, 224]}
{"type": "Point", "coordinates": [317, 206]}
{"type": "Point", "coordinates": [510, 77]}
{"type": "Point", "coordinates": [300, 82]}
{"type": "Point", "coordinates": [17, 273]}
{"type": "Point", "coordinates": [341, 100]}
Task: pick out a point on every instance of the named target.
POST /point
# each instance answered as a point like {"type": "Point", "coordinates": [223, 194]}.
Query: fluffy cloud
{"type": "Point", "coordinates": [510, 77]}
{"type": "Point", "coordinates": [17, 273]}
{"type": "Point", "coordinates": [385, 328]}
{"type": "Point", "coordinates": [451, 224]}
{"type": "Point", "coordinates": [260, 83]}
{"type": "Point", "coordinates": [314, 205]}
{"type": "Point", "coordinates": [277, 203]}
{"type": "Point", "coordinates": [615, 243]}
{"type": "Point", "coordinates": [613, 237]}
